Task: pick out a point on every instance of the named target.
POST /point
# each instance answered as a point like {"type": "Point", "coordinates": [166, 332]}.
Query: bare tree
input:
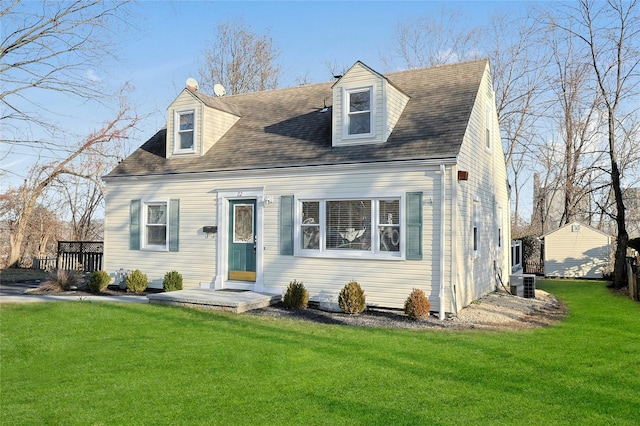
{"type": "Point", "coordinates": [240, 60]}
{"type": "Point", "coordinates": [574, 107]}
{"type": "Point", "coordinates": [434, 40]}
{"type": "Point", "coordinates": [610, 33]}
{"type": "Point", "coordinates": [51, 47]}
{"type": "Point", "coordinates": [43, 175]}
{"type": "Point", "coordinates": [518, 61]}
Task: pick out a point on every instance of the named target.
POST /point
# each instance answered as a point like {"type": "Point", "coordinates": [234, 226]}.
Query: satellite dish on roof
{"type": "Point", "coordinates": [192, 84]}
{"type": "Point", "coordinates": [219, 90]}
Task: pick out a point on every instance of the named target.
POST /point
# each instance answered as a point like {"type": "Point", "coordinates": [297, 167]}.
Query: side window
{"type": "Point", "coordinates": [476, 230]}
{"type": "Point", "coordinates": [499, 228]}
{"type": "Point", "coordinates": [185, 131]}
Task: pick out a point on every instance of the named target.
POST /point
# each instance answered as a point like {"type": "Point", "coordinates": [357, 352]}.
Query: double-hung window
{"type": "Point", "coordinates": [155, 225]}
{"type": "Point", "coordinates": [185, 129]}
{"type": "Point", "coordinates": [358, 108]}
{"type": "Point", "coordinates": [358, 227]}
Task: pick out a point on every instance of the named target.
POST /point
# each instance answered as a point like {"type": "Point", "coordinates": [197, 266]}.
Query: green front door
{"type": "Point", "coordinates": [242, 240]}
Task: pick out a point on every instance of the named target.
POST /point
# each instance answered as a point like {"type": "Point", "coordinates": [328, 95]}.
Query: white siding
{"type": "Point", "coordinates": [196, 257]}
{"type": "Point", "coordinates": [488, 184]}
{"type": "Point", "coordinates": [395, 103]}
{"type": "Point", "coordinates": [581, 252]}
{"type": "Point", "coordinates": [216, 124]}
{"type": "Point", "coordinates": [386, 282]}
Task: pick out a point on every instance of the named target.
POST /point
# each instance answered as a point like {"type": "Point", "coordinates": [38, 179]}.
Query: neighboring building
{"type": "Point", "coordinates": [631, 199]}
{"type": "Point", "coordinates": [396, 181]}
{"type": "Point", "coordinates": [577, 250]}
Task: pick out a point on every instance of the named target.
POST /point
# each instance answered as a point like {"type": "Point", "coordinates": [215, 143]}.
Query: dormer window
{"type": "Point", "coordinates": [184, 126]}
{"type": "Point", "coordinates": [359, 111]}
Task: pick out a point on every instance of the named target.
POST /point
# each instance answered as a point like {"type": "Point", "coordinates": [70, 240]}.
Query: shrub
{"type": "Point", "coordinates": [98, 281]}
{"type": "Point", "coordinates": [172, 281]}
{"type": "Point", "coordinates": [61, 280]}
{"type": "Point", "coordinates": [137, 282]}
{"type": "Point", "coordinates": [417, 305]}
{"type": "Point", "coordinates": [352, 299]}
{"type": "Point", "coordinates": [296, 297]}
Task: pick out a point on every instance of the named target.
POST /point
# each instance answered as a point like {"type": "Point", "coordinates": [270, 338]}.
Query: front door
{"type": "Point", "coordinates": [242, 240]}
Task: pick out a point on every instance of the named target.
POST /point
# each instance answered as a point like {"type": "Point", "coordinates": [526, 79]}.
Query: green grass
{"type": "Point", "coordinates": [96, 363]}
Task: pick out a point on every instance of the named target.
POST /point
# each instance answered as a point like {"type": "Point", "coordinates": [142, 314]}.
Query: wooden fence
{"type": "Point", "coordinates": [534, 266]}
{"type": "Point", "coordinates": [83, 256]}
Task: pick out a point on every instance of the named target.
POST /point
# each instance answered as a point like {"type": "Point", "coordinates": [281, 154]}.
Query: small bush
{"type": "Point", "coordinates": [137, 282]}
{"type": "Point", "coordinates": [296, 297]}
{"type": "Point", "coordinates": [172, 281]}
{"type": "Point", "coordinates": [417, 305]}
{"type": "Point", "coordinates": [98, 281]}
{"type": "Point", "coordinates": [352, 299]}
{"type": "Point", "coordinates": [61, 280]}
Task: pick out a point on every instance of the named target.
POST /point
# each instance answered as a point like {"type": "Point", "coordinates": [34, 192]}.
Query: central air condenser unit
{"type": "Point", "coordinates": [523, 285]}
{"type": "Point", "coordinates": [529, 284]}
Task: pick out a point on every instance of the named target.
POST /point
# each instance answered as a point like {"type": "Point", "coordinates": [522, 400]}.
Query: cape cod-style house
{"type": "Point", "coordinates": [397, 181]}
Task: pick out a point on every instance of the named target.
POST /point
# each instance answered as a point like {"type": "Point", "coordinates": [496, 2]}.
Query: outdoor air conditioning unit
{"type": "Point", "coordinates": [523, 285]}
{"type": "Point", "coordinates": [529, 282]}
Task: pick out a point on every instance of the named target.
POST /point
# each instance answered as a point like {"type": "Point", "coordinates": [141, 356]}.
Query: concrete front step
{"type": "Point", "coordinates": [230, 301]}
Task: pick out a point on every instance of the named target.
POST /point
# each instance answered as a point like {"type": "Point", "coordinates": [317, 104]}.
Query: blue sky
{"type": "Point", "coordinates": [309, 34]}
{"type": "Point", "coordinates": [164, 50]}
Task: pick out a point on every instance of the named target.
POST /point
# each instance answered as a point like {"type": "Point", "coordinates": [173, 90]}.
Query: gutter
{"type": "Point", "coordinates": [441, 315]}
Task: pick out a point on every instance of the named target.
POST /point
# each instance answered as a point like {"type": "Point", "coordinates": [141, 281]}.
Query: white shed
{"type": "Point", "coordinates": [576, 250]}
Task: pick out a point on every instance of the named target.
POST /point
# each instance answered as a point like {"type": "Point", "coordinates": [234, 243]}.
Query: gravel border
{"type": "Point", "coordinates": [497, 310]}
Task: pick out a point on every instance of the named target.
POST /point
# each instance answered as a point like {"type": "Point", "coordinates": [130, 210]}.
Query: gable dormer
{"type": "Point", "coordinates": [195, 122]}
{"type": "Point", "coordinates": [366, 107]}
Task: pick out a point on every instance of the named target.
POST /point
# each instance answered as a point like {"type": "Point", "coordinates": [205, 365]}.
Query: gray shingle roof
{"type": "Point", "coordinates": [285, 128]}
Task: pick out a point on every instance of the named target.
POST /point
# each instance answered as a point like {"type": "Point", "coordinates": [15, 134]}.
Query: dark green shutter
{"type": "Point", "coordinates": [174, 225]}
{"type": "Point", "coordinates": [134, 225]}
{"type": "Point", "coordinates": [414, 226]}
{"type": "Point", "coordinates": [286, 225]}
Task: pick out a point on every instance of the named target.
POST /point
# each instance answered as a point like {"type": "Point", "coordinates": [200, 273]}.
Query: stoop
{"type": "Point", "coordinates": [230, 301]}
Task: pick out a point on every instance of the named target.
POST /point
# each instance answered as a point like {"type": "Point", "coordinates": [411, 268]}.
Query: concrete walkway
{"type": "Point", "coordinates": [225, 300]}
{"type": "Point", "coordinates": [28, 298]}
{"type": "Point", "coordinates": [231, 301]}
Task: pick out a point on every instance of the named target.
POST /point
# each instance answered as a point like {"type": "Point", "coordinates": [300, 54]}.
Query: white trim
{"type": "Point", "coordinates": [144, 246]}
{"type": "Point", "coordinates": [346, 96]}
{"type": "Point", "coordinates": [222, 267]}
{"type": "Point", "coordinates": [177, 150]}
{"type": "Point", "coordinates": [288, 171]}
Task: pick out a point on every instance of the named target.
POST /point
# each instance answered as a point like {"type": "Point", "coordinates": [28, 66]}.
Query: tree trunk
{"type": "Point", "coordinates": [619, 270]}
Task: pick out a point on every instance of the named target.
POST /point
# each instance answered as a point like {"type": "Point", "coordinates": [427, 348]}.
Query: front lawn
{"type": "Point", "coordinates": [97, 363]}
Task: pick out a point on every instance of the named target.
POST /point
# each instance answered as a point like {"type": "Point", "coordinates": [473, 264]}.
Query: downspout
{"type": "Point", "coordinates": [442, 234]}
{"type": "Point", "coordinates": [453, 280]}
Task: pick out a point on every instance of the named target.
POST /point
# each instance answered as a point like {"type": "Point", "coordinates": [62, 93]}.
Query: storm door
{"type": "Point", "coordinates": [242, 240]}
